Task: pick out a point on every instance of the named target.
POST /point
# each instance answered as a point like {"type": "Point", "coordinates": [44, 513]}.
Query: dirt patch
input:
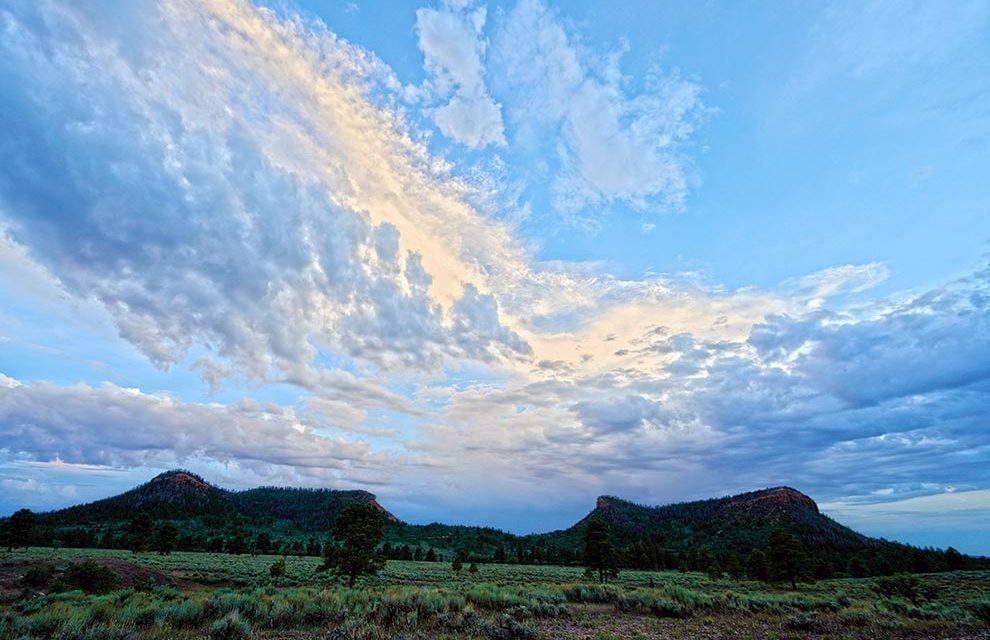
{"type": "Point", "coordinates": [128, 573]}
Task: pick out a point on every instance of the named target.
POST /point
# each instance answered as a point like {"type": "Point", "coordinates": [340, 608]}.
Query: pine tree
{"type": "Point", "coordinates": [166, 538]}
{"type": "Point", "coordinates": [459, 559]}
{"type": "Point", "coordinates": [358, 531]}
{"type": "Point", "coordinates": [786, 560]}
{"type": "Point", "coordinates": [18, 529]}
{"type": "Point", "coordinates": [140, 530]}
{"type": "Point", "coordinates": [236, 544]}
{"type": "Point", "coordinates": [277, 570]}
{"type": "Point", "coordinates": [756, 567]}
{"type": "Point", "coordinates": [262, 543]}
{"type": "Point", "coordinates": [599, 555]}
{"type": "Point", "coordinates": [954, 560]}
{"type": "Point", "coordinates": [313, 547]}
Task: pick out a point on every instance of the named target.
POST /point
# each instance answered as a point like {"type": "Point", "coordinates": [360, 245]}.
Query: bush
{"type": "Point", "coordinates": [803, 622]}
{"type": "Point", "coordinates": [591, 593]}
{"type": "Point", "coordinates": [665, 608]}
{"type": "Point", "coordinates": [905, 586]}
{"type": "Point", "coordinates": [231, 627]}
{"type": "Point", "coordinates": [90, 577]}
{"type": "Point", "coordinates": [980, 609]}
{"type": "Point", "coordinates": [38, 576]}
{"type": "Point", "coordinates": [186, 613]}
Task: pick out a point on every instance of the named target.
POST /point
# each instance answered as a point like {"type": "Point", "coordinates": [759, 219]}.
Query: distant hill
{"type": "Point", "coordinates": [700, 535]}
{"type": "Point", "coordinates": [743, 521]}
{"type": "Point", "coordinates": [183, 495]}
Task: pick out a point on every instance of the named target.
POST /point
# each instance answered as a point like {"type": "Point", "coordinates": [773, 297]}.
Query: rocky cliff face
{"type": "Point", "coordinates": [780, 496]}
{"type": "Point", "coordinates": [175, 487]}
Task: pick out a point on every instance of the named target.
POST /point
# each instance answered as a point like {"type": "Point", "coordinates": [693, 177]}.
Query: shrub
{"type": "Point", "coordinates": [803, 622]}
{"type": "Point", "coordinates": [980, 609]}
{"type": "Point", "coordinates": [138, 613]}
{"type": "Point", "coordinates": [186, 613]}
{"type": "Point", "coordinates": [231, 627]}
{"type": "Point", "coordinates": [508, 628]}
{"type": "Point", "coordinates": [90, 577]}
{"type": "Point", "coordinates": [686, 597]}
{"type": "Point", "coordinates": [591, 593]}
{"type": "Point", "coordinates": [38, 576]}
{"type": "Point", "coordinates": [901, 585]}
{"type": "Point", "coordinates": [666, 608]}
{"type": "Point", "coordinates": [629, 602]}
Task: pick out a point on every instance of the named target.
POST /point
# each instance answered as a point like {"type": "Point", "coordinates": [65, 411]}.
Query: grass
{"type": "Point", "coordinates": [223, 596]}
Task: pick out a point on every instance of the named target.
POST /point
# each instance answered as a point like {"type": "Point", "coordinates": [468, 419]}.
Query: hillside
{"type": "Point", "coordinates": [184, 496]}
{"type": "Point", "coordinates": [743, 521]}
{"type": "Point", "coordinates": [695, 535]}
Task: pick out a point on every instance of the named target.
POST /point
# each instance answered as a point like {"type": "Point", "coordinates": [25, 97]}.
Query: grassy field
{"type": "Point", "coordinates": [195, 595]}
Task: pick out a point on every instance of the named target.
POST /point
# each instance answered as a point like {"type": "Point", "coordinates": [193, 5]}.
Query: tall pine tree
{"type": "Point", "coordinates": [786, 560]}
{"type": "Point", "coordinates": [357, 532]}
{"type": "Point", "coordinates": [599, 555]}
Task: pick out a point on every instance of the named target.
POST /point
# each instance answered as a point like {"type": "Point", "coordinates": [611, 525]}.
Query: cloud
{"type": "Point", "coordinates": [247, 193]}
{"type": "Point", "coordinates": [615, 146]}
{"type": "Point", "coordinates": [695, 416]}
{"type": "Point", "coordinates": [119, 427]}
{"type": "Point", "coordinates": [621, 414]}
{"type": "Point", "coordinates": [834, 281]}
{"type": "Point", "coordinates": [838, 403]}
{"type": "Point", "coordinates": [450, 38]}
{"type": "Point", "coordinates": [240, 206]}
{"type": "Point", "coordinates": [937, 340]}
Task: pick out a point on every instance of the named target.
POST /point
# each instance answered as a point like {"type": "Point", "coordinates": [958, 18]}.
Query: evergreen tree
{"type": "Point", "coordinates": [107, 540]}
{"type": "Point", "coordinates": [714, 570]}
{"type": "Point", "coordinates": [18, 529]}
{"type": "Point", "coordinates": [166, 537]}
{"type": "Point", "coordinates": [431, 555]}
{"type": "Point", "coordinates": [459, 559]}
{"type": "Point", "coordinates": [263, 543]}
{"type": "Point", "coordinates": [473, 569]}
{"type": "Point", "coordinates": [236, 544]}
{"type": "Point", "coordinates": [733, 567]}
{"type": "Point", "coordinates": [140, 530]}
{"type": "Point", "coordinates": [954, 561]}
{"type": "Point", "coordinates": [857, 568]}
{"type": "Point", "coordinates": [313, 547]}
{"type": "Point", "coordinates": [277, 570]}
{"type": "Point", "coordinates": [785, 558]}
{"type": "Point", "coordinates": [756, 567]}
{"type": "Point", "coordinates": [359, 531]}
{"type": "Point", "coordinates": [599, 555]}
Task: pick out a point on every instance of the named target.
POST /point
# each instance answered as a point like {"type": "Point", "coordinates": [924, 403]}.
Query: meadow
{"type": "Point", "coordinates": [195, 595]}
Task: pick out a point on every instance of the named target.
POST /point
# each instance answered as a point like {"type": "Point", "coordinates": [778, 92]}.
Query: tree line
{"type": "Point", "coordinates": [144, 533]}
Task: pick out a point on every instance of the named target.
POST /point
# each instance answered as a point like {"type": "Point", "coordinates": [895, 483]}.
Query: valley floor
{"type": "Point", "coordinates": [197, 595]}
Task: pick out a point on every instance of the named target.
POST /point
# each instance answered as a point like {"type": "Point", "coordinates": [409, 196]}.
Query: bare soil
{"type": "Point", "coordinates": [128, 574]}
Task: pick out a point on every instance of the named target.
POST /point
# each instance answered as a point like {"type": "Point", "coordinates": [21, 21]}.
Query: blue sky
{"type": "Point", "coordinates": [491, 260]}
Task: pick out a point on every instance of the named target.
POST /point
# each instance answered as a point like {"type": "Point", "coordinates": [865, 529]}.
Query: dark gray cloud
{"type": "Point", "coordinates": [621, 414]}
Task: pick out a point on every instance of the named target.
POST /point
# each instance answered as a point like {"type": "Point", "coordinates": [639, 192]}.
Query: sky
{"type": "Point", "coordinates": [490, 260]}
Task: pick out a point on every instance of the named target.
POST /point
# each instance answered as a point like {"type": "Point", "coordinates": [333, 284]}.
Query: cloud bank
{"type": "Point", "coordinates": [245, 196]}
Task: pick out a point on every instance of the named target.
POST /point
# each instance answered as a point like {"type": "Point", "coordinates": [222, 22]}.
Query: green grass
{"type": "Point", "coordinates": [224, 596]}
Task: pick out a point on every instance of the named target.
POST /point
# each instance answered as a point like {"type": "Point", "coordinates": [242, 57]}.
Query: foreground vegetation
{"type": "Point", "coordinates": [193, 595]}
